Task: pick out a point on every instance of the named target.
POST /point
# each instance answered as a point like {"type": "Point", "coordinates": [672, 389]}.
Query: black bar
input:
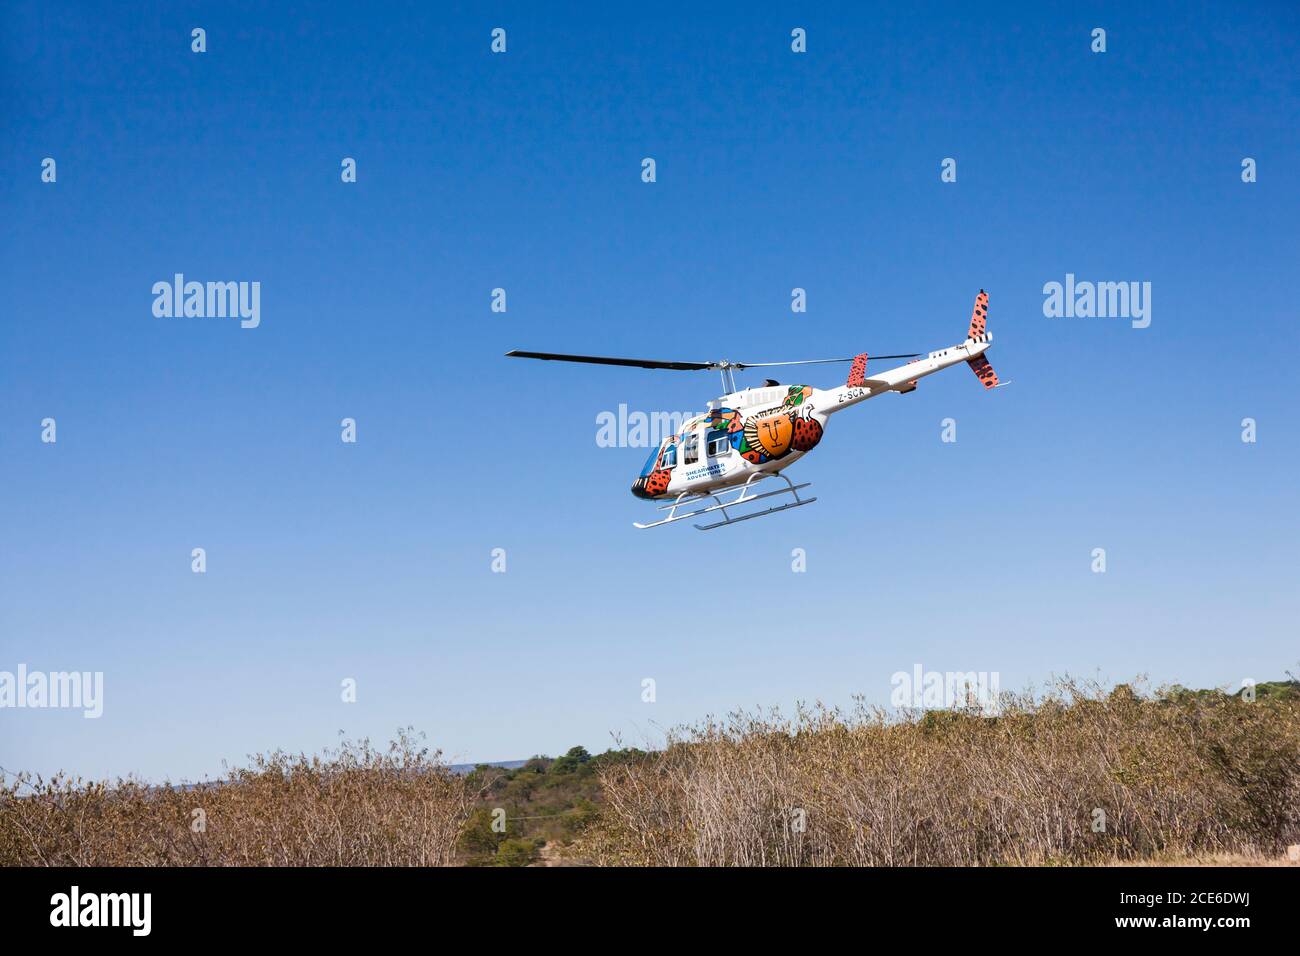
{"type": "Point", "coordinates": [914, 907]}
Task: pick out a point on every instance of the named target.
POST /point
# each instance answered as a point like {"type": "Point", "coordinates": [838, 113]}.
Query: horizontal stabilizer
{"type": "Point", "coordinates": [983, 370]}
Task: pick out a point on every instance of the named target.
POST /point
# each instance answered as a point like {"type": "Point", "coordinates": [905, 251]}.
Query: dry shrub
{"type": "Point", "coordinates": [1173, 774]}
{"type": "Point", "coordinates": [355, 806]}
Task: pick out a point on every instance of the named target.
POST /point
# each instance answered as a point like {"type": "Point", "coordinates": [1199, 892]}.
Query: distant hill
{"type": "Point", "coordinates": [464, 768]}
{"type": "Point", "coordinates": [1264, 690]}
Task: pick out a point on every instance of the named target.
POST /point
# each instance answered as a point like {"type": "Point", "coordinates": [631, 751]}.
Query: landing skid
{"type": "Point", "coordinates": [719, 505]}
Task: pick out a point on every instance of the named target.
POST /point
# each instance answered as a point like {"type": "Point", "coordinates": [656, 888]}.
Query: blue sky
{"type": "Point", "coordinates": [774, 170]}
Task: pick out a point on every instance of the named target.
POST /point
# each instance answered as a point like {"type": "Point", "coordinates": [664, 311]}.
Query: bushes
{"type": "Point", "coordinates": [354, 807]}
{"type": "Point", "coordinates": [1077, 776]}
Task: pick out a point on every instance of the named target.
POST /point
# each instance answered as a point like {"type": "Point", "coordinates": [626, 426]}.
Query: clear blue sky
{"type": "Point", "coordinates": [775, 170]}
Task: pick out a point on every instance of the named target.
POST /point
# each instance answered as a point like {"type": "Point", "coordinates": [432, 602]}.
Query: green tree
{"type": "Point", "coordinates": [571, 761]}
{"type": "Point", "coordinates": [478, 839]}
{"type": "Point", "coordinates": [516, 853]}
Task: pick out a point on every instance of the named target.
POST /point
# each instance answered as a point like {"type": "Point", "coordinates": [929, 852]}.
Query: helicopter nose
{"type": "Point", "coordinates": [638, 488]}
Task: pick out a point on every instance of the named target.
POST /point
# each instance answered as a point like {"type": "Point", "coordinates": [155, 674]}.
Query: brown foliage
{"type": "Point", "coordinates": [353, 807]}
{"type": "Point", "coordinates": [1194, 775]}
{"type": "Point", "coordinates": [1186, 774]}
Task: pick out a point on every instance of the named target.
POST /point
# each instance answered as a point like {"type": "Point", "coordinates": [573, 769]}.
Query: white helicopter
{"type": "Point", "coordinates": [751, 434]}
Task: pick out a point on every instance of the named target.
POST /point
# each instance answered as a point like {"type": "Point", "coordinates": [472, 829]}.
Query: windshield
{"type": "Point", "coordinates": [650, 463]}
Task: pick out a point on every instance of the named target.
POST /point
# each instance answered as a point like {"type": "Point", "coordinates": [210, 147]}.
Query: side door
{"type": "Point", "coordinates": [690, 453]}
{"type": "Point", "coordinates": [718, 451]}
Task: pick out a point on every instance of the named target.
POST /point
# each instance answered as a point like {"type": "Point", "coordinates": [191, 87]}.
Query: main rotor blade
{"type": "Point", "coordinates": [680, 366]}
{"type": "Point", "coordinates": [817, 361]}
{"type": "Point", "coordinates": [604, 360]}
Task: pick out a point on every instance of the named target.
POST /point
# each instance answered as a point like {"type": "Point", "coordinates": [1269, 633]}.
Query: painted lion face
{"type": "Point", "coordinates": [771, 434]}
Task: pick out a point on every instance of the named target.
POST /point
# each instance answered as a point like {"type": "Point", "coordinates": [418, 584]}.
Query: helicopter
{"type": "Point", "coordinates": [753, 434]}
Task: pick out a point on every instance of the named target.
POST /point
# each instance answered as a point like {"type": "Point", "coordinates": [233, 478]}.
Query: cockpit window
{"type": "Point", "coordinates": [669, 458]}
{"type": "Point", "coordinates": [650, 462]}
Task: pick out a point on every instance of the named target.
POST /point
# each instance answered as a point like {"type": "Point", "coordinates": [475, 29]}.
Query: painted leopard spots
{"type": "Point", "coordinates": [657, 483]}
{"type": "Point", "coordinates": [652, 485]}
{"type": "Point", "coordinates": [858, 371]}
{"type": "Point", "coordinates": [978, 316]}
{"type": "Point", "coordinates": [983, 370]}
{"type": "Point", "coordinates": [807, 433]}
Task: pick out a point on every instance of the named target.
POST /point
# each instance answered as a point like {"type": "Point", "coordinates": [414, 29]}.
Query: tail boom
{"type": "Point", "coordinates": [903, 379]}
